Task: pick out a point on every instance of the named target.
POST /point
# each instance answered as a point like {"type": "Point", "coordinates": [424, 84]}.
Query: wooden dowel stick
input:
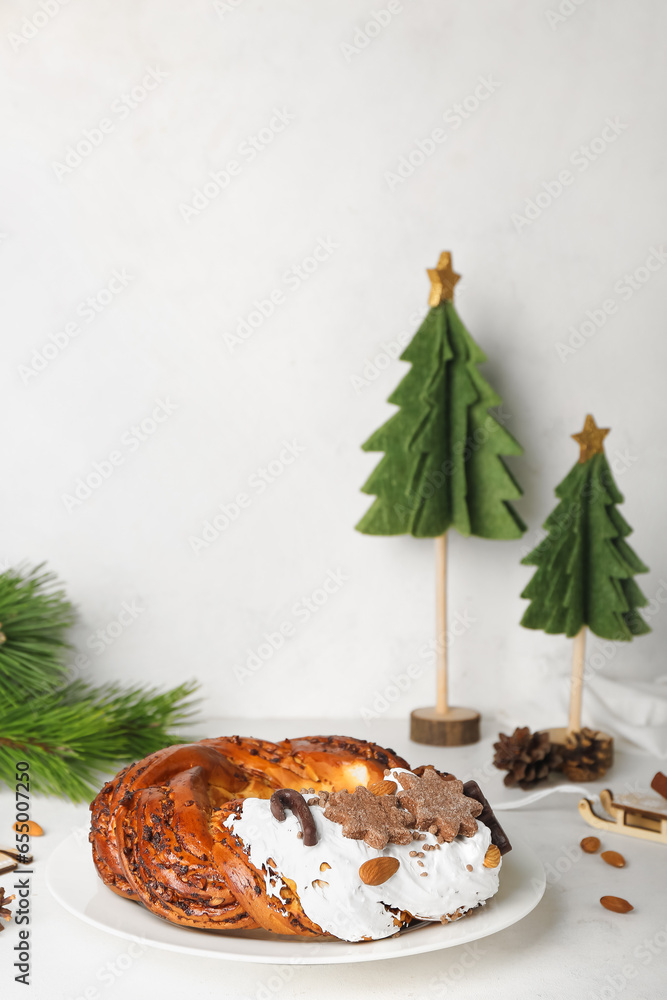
{"type": "Point", "coordinates": [442, 705]}
{"type": "Point", "coordinates": [576, 685]}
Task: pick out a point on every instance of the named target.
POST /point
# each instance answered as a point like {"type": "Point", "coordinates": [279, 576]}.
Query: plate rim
{"type": "Point", "coordinates": [347, 953]}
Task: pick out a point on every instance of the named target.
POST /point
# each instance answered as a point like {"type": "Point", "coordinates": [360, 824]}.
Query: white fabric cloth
{"type": "Point", "coordinates": [636, 711]}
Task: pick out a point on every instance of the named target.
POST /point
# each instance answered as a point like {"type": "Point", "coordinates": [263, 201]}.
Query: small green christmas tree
{"type": "Point", "coordinates": [442, 466]}
{"type": "Point", "coordinates": [585, 567]}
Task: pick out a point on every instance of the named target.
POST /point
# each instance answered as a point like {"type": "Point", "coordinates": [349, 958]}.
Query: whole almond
{"type": "Point", "coordinates": [616, 904]}
{"type": "Point", "coordinates": [34, 829]}
{"type": "Point", "coordinates": [590, 845]}
{"type": "Point", "coordinates": [383, 787]}
{"type": "Point", "coordinates": [492, 857]}
{"type": "Point", "coordinates": [613, 858]}
{"type": "Point", "coordinates": [375, 871]}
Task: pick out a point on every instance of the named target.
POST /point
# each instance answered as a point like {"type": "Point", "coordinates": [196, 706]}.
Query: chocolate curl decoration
{"type": "Point", "coordinates": [487, 816]}
{"type": "Point", "coordinates": [288, 798]}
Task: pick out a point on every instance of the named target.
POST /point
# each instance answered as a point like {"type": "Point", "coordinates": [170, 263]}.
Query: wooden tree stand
{"type": "Point", "coordinates": [568, 737]}
{"type": "Point", "coordinates": [454, 728]}
{"type": "Point", "coordinates": [443, 726]}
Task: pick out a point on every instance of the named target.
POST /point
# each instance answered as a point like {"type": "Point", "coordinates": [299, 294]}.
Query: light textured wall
{"type": "Point", "coordinates": [518, 93]}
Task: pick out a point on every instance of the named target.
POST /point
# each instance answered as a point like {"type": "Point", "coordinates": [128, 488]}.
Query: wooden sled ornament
{"type": "Point", "coordinates": [630, 820]}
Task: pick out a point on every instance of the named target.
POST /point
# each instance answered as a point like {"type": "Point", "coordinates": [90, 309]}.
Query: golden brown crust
{"type": "Point", "coordinates": [167, 856]}
{"type": "Point", "coordinates": [103, 840]}
{"type": "Point", "coordinates": [151, 830]}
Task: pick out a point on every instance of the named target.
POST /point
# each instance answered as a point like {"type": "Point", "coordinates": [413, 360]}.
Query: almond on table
{"type": "Point", "coordinates": [34, 829]}
{"type": "Point", "coordinates": [616, 904]}
{"type": "Point", "coordinates": [613, 858]}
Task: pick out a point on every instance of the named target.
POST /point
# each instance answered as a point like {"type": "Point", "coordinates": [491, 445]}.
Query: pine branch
{"type": "Point", "coordinates": [35, 615]}
{"type": "Point", "coordinates": [72, 736]}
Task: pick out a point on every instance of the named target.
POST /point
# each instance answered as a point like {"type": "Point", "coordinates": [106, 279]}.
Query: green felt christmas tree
{"type": "Point", "coordinates": [442, 466]}
{"type": "Point", "coordinates": [585, 567]}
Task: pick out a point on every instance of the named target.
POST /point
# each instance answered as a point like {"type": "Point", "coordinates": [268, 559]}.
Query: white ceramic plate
{"type": "Point", "coordinates": [72, 879]}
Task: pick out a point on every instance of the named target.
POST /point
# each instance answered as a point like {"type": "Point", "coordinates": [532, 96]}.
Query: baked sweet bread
{"type": "Point", "coordinates": [217, 835]}
{"type": "Point", "coordinates": [151, 831]}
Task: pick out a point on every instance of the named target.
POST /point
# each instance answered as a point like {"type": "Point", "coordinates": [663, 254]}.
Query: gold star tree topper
{"type": "Point", "coordinates": [590, 439]}
{"type": "Point", "coordinates": [443, 278]}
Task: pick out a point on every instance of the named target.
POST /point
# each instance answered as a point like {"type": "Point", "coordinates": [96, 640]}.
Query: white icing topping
{"type": "Point", "coordinates": [345, 906]}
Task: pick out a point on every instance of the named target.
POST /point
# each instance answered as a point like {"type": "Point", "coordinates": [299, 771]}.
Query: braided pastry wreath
{"type": "Point", "coordinates": [163, 830]}
{"type": "Point", "coordinates": [151, 829]}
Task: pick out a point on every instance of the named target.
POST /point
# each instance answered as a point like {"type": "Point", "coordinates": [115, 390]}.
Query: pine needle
{"type": "Point", "coordinates": [74, 736]}
{"type": "Point", "coordinates": [71, 733]}
{"type": "Point", "coordinates": [35, 615]}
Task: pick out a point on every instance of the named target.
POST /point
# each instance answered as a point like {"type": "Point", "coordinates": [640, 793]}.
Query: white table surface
{"type": "Point", "coordinates": [568, 947]}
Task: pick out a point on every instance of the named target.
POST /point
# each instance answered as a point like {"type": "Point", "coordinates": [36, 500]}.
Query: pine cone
{"type": "Point", "coordinates": [527, 757]}
{"type": "Point", "coordinates": [587, 755]}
